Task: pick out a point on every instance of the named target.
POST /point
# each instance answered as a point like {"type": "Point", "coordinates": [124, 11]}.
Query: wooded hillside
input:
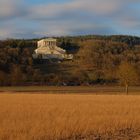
{"type": "Point", "coordinates": [97, 60]}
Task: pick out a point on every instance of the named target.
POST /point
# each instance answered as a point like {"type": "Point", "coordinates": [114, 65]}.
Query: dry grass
{"type": "Point", "coordinates": [69, 117]}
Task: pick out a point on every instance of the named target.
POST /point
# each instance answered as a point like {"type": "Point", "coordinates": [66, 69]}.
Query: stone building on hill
{"type": "Point", "coordinates": [47, 49]}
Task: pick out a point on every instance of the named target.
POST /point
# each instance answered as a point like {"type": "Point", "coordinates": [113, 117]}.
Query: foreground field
{"type": "Point", "coordinates": [69, 117]}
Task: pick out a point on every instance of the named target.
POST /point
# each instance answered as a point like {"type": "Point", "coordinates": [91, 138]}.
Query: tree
{"type": "Point", "coordinates": [3, 78]}
{"type": "Point", "coordinates": [127, 75]}
{"type": "Point", "coordinates": [17, 76]}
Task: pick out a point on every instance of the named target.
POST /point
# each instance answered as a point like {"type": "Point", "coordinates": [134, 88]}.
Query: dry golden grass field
{"type": "Point", "coordinates": [69, 117]}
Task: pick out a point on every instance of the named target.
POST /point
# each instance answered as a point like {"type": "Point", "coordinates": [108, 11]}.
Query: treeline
{"type": "Point", "coordinates": [16, 63]}
{"type": "Point", "coordinates": [100, 60]}
{"type": "Point", "coordinates": [97, 60]}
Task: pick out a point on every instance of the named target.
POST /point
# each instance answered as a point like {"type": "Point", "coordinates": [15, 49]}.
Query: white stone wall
{"type": "Point", "coordinates": [48, 49]}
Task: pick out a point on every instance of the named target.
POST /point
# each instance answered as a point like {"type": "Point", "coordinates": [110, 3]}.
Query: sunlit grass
{"type": "Point", "coordinates": [62, 117]}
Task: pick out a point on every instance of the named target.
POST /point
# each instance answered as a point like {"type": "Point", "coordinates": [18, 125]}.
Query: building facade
{"type": "Point", "coordinates": [48, 49]}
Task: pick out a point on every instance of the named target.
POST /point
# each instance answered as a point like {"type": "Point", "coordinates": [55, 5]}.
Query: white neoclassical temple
{"type": "Point", "coordinates": [47, 49]}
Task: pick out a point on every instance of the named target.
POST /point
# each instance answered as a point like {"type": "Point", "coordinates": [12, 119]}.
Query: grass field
{"type": "Point", "coordinates": [69, 117]}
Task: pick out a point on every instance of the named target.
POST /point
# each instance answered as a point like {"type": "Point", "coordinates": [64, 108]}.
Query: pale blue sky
{"type": "Point", "coordinates": [39, 18]}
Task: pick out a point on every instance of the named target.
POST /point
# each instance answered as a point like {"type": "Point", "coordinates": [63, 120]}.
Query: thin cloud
{"type": "Point", "coordinates": [12, 9]}
{"type": "Point", "coordinates": [98, 7]}
{"type": "Point", "coordinates": [22, 19]}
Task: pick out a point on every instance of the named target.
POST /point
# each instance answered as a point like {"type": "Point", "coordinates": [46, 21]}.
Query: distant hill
{"type": "Point", "coordinates": [96, 61]}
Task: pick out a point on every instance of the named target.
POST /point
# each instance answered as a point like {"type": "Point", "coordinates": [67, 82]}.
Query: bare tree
{"type": "Point", "coordinates": [127, 75]}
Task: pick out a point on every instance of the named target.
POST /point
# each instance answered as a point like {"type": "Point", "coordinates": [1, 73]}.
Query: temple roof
{"type": "Point", "coordinates": [48, 39]}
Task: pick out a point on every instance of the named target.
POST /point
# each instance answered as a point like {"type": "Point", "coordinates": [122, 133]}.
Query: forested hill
{"type": "Point", "coordinates": [130, 40]}
{"type": "Point", "coordinates": [97, 60]}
